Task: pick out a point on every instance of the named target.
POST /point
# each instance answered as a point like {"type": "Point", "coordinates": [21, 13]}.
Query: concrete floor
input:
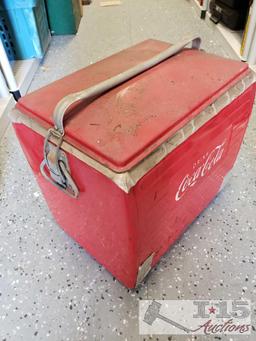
{"type": "Point", "coordinates": [51, 289]}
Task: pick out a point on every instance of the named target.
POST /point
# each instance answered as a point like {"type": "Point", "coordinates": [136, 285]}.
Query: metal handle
{"type": "Point", "coordinates": [54, 159]}
{"type": "Point", "coordinates": [95, 91]}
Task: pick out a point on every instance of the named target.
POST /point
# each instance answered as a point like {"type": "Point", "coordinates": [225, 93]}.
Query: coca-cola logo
{"type": "Point", "coordinates": [200, 169]}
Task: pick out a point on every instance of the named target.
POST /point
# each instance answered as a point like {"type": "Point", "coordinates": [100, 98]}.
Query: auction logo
{"type": "Point", "coordinates": [200, 169]}
{"type": "Point", "coordinates": [201, 317]}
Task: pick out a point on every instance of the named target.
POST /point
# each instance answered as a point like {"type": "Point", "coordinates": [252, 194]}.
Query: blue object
{"type": "Point", "coordinates": [28, 31]}
{"type": "Point", "coordinates": [6, 37]}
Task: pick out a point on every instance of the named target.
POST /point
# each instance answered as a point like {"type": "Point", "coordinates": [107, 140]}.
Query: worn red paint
{"type": "Point", "coordinates": [121, 230]}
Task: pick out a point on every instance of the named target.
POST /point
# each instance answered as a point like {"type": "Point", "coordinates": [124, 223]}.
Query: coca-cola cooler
{"type": "Point", "coordinates": [130, 150]}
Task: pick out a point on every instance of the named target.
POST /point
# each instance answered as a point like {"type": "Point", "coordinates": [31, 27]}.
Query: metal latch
{"type": "Point", "coordinates": [56, 163]}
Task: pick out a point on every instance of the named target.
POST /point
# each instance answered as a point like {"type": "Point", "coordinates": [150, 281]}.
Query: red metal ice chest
{"type": "Point", "coordinates": [141, 159]}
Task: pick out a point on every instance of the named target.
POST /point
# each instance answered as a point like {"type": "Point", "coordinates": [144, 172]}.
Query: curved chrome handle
{"type": "Point", "coordinates": [95, 91]}
{"type": "Point", "coordinates": [57, 168]}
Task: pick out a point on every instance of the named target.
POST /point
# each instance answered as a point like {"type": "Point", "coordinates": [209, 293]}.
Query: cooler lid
{"type": "Point", "coordinates": [124, 125]}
